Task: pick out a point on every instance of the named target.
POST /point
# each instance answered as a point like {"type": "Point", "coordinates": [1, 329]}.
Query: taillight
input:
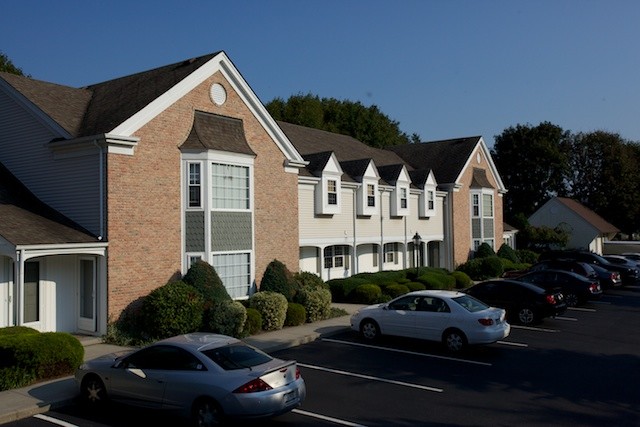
{"type": "Point", "coordinates": [551, 299]}
{"type": "Point", "coordinates": [594, 287]}
{"type": "Point", "coordinates": [297, 373]}
{"type": "Point", "coordinates": [486, 322]}
{"type": "Point", "coordinates": [253, 386]}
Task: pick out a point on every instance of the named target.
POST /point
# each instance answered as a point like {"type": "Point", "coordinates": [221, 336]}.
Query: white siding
{"type": "Point", "coordinates": [4, 291]}
{"type": "Point", "coordinates": [69, 185]}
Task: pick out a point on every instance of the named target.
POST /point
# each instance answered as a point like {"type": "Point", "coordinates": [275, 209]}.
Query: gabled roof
{"type": "Point", "coordinates": [587, 214]}
{"type": "Point", "coordinates": [446, 158]}
{"type": "Point", "coordinates": [25, 220]}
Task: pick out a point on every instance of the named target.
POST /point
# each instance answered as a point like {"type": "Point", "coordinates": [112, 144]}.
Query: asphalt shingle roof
{"type": "Point", "coordinates": [588, 215]}
{"type": "Point", "coordinates": [215, 132]}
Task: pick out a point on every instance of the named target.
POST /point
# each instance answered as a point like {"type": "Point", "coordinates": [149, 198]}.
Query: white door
{"type": "Point", "coordinates": [87, 295]}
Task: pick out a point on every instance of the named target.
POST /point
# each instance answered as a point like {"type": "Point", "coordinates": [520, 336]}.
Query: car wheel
{"type": "Point", "coordinates": [526, 316]}
{"type": "Point", "coordinates": [93, 391]}
{"type": "Point", "coordinates": [571, 299]}
{"type": "Point", "coordinates": [207, 413]}
{"type": "Point", "coordinates": [369, 329]}
{"type": "Point", "coordinates": [454, 340]}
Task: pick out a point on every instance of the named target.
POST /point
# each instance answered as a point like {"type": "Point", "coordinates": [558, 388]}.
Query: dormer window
{"type": "Point", "coordinates": [403, 198]}
{"type": "Point", "coordinates": [430, 200]}
{"type": "Point", "coordinates": [371, 195]}
{"type": "Point", "coordinates": [332, 192]}
{"type": "Point", "coordinates": [400, 200]}
{"type": "Point", "coordinates": [427, 200]}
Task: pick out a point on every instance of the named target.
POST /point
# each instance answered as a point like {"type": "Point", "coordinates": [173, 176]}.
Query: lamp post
{"type": "Point", "coordinates": [417, 241]}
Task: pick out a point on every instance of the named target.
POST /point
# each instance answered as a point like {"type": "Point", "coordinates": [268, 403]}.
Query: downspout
{"type": "Point", "coordinates": [381, 253]}
{"type": "Point", "coordinates": [19, 287]}
{"type": "Point", "coordinates": [101, 188]}
{"type": "Point", "coordinates": [356, 267]}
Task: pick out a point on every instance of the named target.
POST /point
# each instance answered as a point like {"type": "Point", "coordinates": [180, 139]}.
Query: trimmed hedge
{"type": "Point", "coordinates": [507, 252]}
{"type": "Point", "coordinates": [204, 278]}
{"type": "Point", "coordinates": [366, 294]}
{"type": "Point", "coordinates": [173, 309]}
{"type": "Point", "coordinates": [272, 307]}
{"type": "Point", "coordinates": [395, 290]}
{"type": "Point", "coordinates": [227, 317]}
{"type": "Point", "coordinates": [316, 302]}
{"type": "Point", "coordinates": [278, 278]}
{"type": "Point", "coordinates": [253, 324]}
{"type": "Point", "coordinates": [483, 268]}
{"type": "Point", "coordinates": [27, 356]}
{"type": "Point", "coordinates": [462, 279]}
{"type": "Point", "coordinates": [437, 280]}
{"type": "Point", "coordinates": [296, 314]}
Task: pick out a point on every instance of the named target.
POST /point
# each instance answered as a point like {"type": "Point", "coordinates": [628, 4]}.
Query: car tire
{"type": "Point", "coordinates": [92, 391]}
{"type": "Point", "coordinates": [571, 299]}
{"type": "Point", "coordinates": [369, 329]}
{"type": "Point", "coordinates": [454, 340]}
{"type": "Point", "coordinates": [527, 316]}
{"type": "Point", "coordinates": [207, 413]}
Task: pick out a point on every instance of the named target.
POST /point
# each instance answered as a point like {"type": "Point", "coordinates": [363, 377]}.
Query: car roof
{"type": "Point", "coordinates": [436, 293]}
{"type": "Point", "coordinates": [554, 270]}
{"type": "Point", "coordinates": [516, 282]}
{"type": "Point", "coordinates": [200, 341]}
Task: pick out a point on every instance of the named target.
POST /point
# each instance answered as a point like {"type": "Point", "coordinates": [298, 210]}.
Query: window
{"type": "Point", "coordinates": [235, 272]}
{"type": "Point", "coordinates": [193, 259]}
{"type": "Point", "coordinates": [163, 357]}
{"type": "Point", "coordinates": [336, 256]}
{"type": "Point", "coordinates": [390, 250]}
{"type": "Point", "coordinates": [476, 205]}
{"type": "Point", "coordinates": [371, 195]}
{"type": "Point", "coordinates": [403, 198]}
{"type": "Point", "coordinates": [195, 186]}
{"type": "Point", "coordinates": [332, 192]}
{"type": "Point", "coordinates": [375, 255]}
{"type": "Point", "coordinates": [430, 201]}
{"type": "Point", "coordinates": [230, 186]}
{"type": "Point", "coordinates": [482, 227]}
{"type": "Point", "coordinates": [31, 302]}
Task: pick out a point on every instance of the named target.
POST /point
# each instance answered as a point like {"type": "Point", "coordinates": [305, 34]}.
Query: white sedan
{"type": "Point", "coordinates": [450, 317]}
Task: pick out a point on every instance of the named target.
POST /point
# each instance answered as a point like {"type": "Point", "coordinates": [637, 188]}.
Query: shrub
{"type": "Point", "coordinates": [308, 280]}
{"type": "Point", "coordinates": [277, 278]}
{"type": "Point", "coordinates": [365, 294]}
{"type": "Point", "coordinates": [272, 307]}
{"type": "Point", "coordinates": [253, 324]}
{"type": "Point", "coordinates": [17, 330]}
{"type": "Point", "coordinates": [395, 290]}
{"type": "Point", "coordinates": [484, 251]}
{"type": "Point", "coordinates": [204, 278]}
{"type": "Point", "coordinates": [316, 302]}
{"type": "Point", "coordinates": [434, 279]}
{"type": "Point", "coordinates": [415, 286]}
{"type": "Point", "coordinates": [527, 256]}
{"type": "Point", "coordinates": [483, 268]}
{"type": "Point", "coordinates": [296, 314]}
{"type": "Point", "coordinates": [26, 357]}
{"type": "Point", "coordinates": [227, 317]}
{"type": "Point", "coordinates": [462, 279]}
{"type": "Point", "coordinates": [342, 288]}
{"type": "Point", "coordinates": [172, 309]}
{"type": "Point", "coordinates": [506, 252]}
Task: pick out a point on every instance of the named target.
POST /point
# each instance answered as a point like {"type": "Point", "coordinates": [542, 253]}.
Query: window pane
{"type": "Point", "coordinates": [230, 186]}
{"type": "Point", "coordinates": [487, 205]}
{"type": "Point", "coordinates": [235, 272]}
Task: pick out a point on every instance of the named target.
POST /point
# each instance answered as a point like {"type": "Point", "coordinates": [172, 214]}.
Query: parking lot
{"type": "Point", "coordinates": [578, 369]}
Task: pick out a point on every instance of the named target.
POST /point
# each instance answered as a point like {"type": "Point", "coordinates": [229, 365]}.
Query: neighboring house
{"type": "Point", "coordinates": [360, 207]}
{"type": "Point", "coordinates": [587, 229]}
{"type": "Point", "coordinates": [464, 170]}
{"type": "Point", "coordinates": [146, 173]}
{"type": "Point", "coordinates": [509, 233]}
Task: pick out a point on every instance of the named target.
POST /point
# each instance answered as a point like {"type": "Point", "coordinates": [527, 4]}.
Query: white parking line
{"type": "Point", "coordinates": [415, 353]}
{"type": "Point", "coordinates": [531, 328]}
{"type": "Point", "coordinates": [591, 310]}
{"type": "Point", "coordinates": [369, 377]}
{"type": "Point", "coordinates": [569, 319]}
{"type": "Point", "coordinates": [54, 420]}
{"type": "Point", "coordinates": [513, 344]}
{"type": "Point", "coordinates": [326, 418]}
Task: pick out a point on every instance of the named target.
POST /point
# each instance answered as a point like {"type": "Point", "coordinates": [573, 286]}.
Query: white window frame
{"type": "Point", "coordinates": [190, 185]}
{"type": "Point", "coordinates": [478, 212]}
{"type": "Point", "coordinates": [232, 273]}
{"type": "Point", "coordinates": [391, 253]}
{"type": "Point", "coordinates": [336, 256]}
{"type": "Point", "coordinates": [233, 198]}
{"type": "Point", "coordinates": [400, 200]}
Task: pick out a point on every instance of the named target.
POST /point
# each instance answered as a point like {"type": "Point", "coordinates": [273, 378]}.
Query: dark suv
{"type": "Point", "coordinates": [629, 275]}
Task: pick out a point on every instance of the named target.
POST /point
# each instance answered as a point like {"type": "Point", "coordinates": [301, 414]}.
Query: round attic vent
{"type": "Point", "coordinates": [218, 94]}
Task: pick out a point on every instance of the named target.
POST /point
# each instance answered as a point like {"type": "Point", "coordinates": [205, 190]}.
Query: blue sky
{"type": "Point", "coordinates": [442, 69]}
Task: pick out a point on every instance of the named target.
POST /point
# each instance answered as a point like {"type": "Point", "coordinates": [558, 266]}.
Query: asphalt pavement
{"type": "Point", "coordinates": [41, 397]}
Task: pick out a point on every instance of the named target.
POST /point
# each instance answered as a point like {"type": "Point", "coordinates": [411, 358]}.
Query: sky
{"type": "Point", "coordinates": [440, 68]}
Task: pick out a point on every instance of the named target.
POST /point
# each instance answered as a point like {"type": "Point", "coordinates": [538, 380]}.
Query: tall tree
{"type": "Point", "coordinates": [367, 124]}
{"type": "Point", "coordinates": [532, 161]}
{"type": "Point", "coordinates": [7, 66]}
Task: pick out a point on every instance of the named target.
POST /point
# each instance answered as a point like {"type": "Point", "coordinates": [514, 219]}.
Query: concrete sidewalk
{"type": "Point", "coordinates": [41, 397]}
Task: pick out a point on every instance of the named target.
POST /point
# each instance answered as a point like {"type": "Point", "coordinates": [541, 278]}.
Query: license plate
{"type": "Point", "coordinates": [290, 396]}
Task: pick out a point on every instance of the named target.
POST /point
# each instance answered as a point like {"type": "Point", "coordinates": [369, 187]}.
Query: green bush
{"type": "Point", "coordinates": [507, 252]}
{"type": "Point", "coordinates": [462, 279]}
{"type": "Point", "coordinates": [527, 256]}
{"type": "Point", "coordinates": [308, 280]}
{"type": "Point", "coordinates": [483, 268]}
{"type": "Point", "coordinates": [172, 309]}
{"type": "Point", "coordinates": [26, 357]}
{"type": "Point", "coordinates": [277, 278]}
{"type": "Point", "coordinates": [296, 314]}
{"type": "Point", "coordinates": [204, 278]}
{"type": "Point", "coordinates": [508, 265]}
{"type": "Point", "coordinates": [253, 324]}
{"type": "Point", "coordinates": [17, 330]}
{"type": "Point", "coordinates": [415, 286]}
{"type": "Point", "coordinates": [342, 288]}
{"type": "Point", "coordinates": [484, 251]}
{"type": "Point", "coordinates": [396, 289]}
{"type": "Point", "coordinates": [316, 302]}
{"type": "Point", "coordinates": [272, 307]}
{"type": "Point", "coordinates": [366, 294]}
{"type": "Point", "coordinates": [227, 317]}
{"type": "Point", "coordinates": [437, 280]}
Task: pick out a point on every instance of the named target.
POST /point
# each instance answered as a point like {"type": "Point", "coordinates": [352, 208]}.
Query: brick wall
{"type": "Point", "coordinates": [144, 199]}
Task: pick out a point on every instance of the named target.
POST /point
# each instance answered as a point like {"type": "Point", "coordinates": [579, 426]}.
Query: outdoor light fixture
{"type": "Point", "coordinates": [417, 241]}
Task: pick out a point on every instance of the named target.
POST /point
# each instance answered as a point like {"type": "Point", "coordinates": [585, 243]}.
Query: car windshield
{"type": "Point", "coordinates": [469, 303]}
{"type": "Point", "coordinates": [237, 356]}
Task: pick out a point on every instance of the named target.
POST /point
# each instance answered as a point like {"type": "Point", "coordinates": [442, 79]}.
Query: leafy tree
{"type": "Point", "coordinates": [7, 66]}
{"type": "Point", "coordinates": [539, 238]}
{"type": "Point", "coordinates": [532, 161]}
{"type": "Point", "coordinates": [366, 124]}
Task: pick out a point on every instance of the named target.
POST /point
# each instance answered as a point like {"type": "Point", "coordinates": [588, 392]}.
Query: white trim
{"type": "Point", "coordinates": [492, 167]}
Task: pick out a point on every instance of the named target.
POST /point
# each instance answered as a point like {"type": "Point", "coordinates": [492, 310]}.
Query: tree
{"type": "Point", "coordinates": [533, 163]}
{"type": "Point", "coordinates": [7, 66]}
{"type": "Point", "coordinates": [366, 124]}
